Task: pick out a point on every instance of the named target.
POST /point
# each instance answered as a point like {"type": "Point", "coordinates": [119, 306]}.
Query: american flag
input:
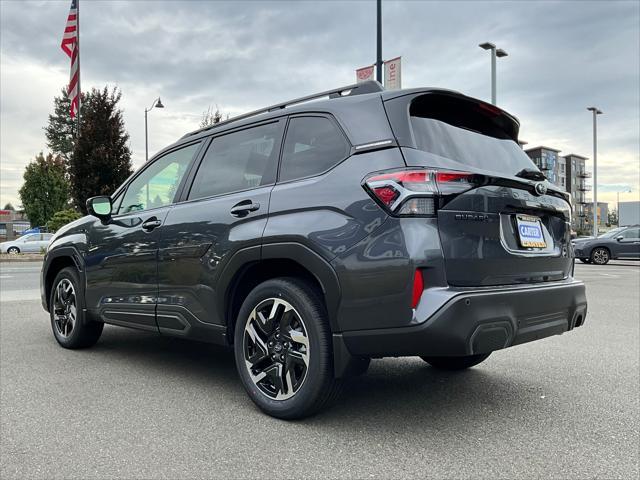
{"type": "Point", "coordinates": [71, 47]}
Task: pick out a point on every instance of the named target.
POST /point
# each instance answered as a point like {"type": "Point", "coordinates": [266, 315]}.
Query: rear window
{"type": "Point", "coordinates": [473, 134]}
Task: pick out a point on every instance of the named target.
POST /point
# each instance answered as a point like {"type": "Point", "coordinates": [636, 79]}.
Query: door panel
{"type": "Point", "coordinates": [629, 245]}
{"type": "Point", "coordinates": [198, 239]}
{"type": "Point", "coordinates": [121, 263]}
{"type": "Point", "coordinates": [121, 269]}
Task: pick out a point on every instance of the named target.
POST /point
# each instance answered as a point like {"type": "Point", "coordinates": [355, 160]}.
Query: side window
{"type": "Point", "coordinates": [158, 184]}
{"type": "Point", "coordinates": [313, 145]}
{"type": "Point", "coordinates": [34, 237]}
{"type": "Point", "coordinates": [631, 233]}
{"type": "Point", "coordinates": [238, 161]}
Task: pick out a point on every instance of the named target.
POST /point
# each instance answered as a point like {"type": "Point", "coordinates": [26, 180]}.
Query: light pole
{"type": "Point", "coordinates": [379, 41]}
{"type": "Point", "coordinates": [495, 52]}
{"type": "Point", "coordinates": [596, 112]}
{"type": "Point", "coordinates": [158, 104]}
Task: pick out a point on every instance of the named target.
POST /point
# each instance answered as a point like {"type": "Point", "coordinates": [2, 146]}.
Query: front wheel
{"type": "Point", "coordinates": [456, 363]}
{"type": "Point", "coordinates": [70, 328]}
{"type": "Point", "coordinates": [600, 256]}
{"type": "Point", "coordinates": [283, 351]}
{"type": "Point", "coordinates": [13, 250]}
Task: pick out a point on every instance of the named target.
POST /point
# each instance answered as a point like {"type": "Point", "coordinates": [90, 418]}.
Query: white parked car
{"type": "Point", "coordinates": [30, 243]}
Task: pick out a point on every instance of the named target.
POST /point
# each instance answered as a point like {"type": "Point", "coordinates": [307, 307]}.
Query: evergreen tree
{"type": "Point", "coordinates": [101, 158]}
{"type": "Point", "coordinates": [61, 129]}
{"type": "Point", "coordinates": [45, 189]}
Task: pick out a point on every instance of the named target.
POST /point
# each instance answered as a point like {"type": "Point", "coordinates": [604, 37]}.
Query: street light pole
{"type": "Point", "coordinates": [158, 104]}
{"type": "Point", "coordinates": [495, 53]}
{"type": "Point", "coordinates": [596, 112]}
{"type": "Point", "coordinates": [379, 42]}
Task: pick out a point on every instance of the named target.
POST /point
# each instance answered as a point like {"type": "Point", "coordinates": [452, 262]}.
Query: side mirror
{"type": "Point", "coordinates": [100, 207]}
{"type": "Point", "coordinates": [619, 237]}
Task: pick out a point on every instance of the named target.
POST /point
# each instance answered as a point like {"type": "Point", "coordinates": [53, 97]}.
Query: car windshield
{"type": "Point", "coordinates": [611, 233]}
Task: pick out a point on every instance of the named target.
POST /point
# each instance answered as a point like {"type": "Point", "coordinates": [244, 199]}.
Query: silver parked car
{"type": "Point", "coordinates": [30, 243]}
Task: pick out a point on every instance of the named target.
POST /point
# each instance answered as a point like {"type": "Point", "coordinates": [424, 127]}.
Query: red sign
{"type": "Point", "coordinates": [365, 73]}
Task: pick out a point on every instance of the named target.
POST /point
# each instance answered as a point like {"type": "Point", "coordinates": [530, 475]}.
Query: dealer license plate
{"type": "Point", "coordinates": [530, 232]}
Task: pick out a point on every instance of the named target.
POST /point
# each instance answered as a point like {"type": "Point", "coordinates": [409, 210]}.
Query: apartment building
{"type": "Point", "coordinates": [569, 173]}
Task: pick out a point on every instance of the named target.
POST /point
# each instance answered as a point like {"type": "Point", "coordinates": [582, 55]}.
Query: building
{"type": "Point", "coordinates": [628, 213]}
{"type": "Point", "coordinates": [576, 185]}
{"type": "Point", "coordinates": [12, 224]}
{"type": "Point", "coordinates": [603, 213]}
{"type": "Point", "coordinates": [569, 173]}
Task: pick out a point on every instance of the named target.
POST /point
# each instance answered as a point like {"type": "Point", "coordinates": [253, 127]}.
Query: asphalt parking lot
{"type": "Point", "coordinates": [141, 406]}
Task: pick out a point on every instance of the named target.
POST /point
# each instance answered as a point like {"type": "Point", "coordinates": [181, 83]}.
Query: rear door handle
{"type": "Point", "coordinates": [243, 208]}
{"type": "Point", "coordinates": [151, 224]}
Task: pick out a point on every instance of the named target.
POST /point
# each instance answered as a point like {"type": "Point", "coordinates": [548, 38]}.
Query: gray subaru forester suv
{"type": "Point", "coordinates": [312, 236]}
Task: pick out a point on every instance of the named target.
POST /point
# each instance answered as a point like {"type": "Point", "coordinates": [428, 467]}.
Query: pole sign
{"type": "Point", "coordinates": [365, 73]}
{"type": "Point", "coordinates": [392, 74]}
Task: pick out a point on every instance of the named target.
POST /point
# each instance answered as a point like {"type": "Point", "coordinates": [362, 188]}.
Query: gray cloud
{"type": "Point", "coordinates": [563, 56]}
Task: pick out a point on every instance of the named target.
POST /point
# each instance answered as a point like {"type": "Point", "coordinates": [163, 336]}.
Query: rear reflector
{"type": "Point", "coordinates": [418, 288]}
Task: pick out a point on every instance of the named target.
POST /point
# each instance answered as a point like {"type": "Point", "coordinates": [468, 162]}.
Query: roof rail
{"type": "Point", "coordinates": [370, 86]}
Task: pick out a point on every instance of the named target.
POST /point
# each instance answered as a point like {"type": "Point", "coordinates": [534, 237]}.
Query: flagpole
{"type": "Point", "coordinates": [79, 71]}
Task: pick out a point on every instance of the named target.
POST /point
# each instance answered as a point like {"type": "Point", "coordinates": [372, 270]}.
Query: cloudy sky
{"type": "Point", "coordinates": [563, 57]}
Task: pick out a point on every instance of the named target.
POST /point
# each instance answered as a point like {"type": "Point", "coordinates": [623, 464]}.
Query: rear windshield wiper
{"type": "Point", "coordinates": [531, 174]}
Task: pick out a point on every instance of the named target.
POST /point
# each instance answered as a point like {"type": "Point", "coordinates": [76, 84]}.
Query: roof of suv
{"type": "Point", "coordinates": [365, 124]}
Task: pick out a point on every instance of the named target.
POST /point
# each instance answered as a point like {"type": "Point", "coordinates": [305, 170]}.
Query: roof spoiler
{"type": "Point", "coordinates": [370, 86]}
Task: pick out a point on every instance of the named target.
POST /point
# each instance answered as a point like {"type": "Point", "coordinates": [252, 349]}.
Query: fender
{"type": "Point", "coordinates": [319, 268]}
{"type": "Point", "coordinates": [67, 251]}
{"type": "Point", "coordinates": [304, 256]}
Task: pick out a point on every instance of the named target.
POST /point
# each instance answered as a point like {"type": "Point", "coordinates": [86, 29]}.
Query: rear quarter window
{"type": "Point", "coordinates": [312, 146]}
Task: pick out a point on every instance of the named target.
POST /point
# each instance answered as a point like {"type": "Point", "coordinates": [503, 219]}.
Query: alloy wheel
{"type": "Point", "coordinates": [64, 308]}
{"type": "Point", "coordinates": [13, 251]}
{"type": "Point", "coordinates": [276, 349]}
{"type": "Point", "coordinates": [600, 256]}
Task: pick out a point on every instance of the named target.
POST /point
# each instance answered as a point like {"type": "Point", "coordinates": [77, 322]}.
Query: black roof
{"type": "Point", "coordinates": [368, 96]}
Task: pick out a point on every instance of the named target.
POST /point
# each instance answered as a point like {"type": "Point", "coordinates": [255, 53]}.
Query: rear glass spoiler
{"type": "Point", "coordinates": [466, 112]}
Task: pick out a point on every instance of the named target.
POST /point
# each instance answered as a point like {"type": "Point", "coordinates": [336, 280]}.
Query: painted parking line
{"type": "Point", "coordinates": [6, 276]}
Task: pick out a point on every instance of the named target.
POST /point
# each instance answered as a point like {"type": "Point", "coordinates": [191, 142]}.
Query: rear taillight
{"type": "Point", "coordinates": [416, 191]}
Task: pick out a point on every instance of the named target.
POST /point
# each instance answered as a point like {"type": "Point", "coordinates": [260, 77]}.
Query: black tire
{"type": "Point", "coordinates": [456, 363]}
{"type": "Point", "coordinates": [309, 392]}
{"type": "Point", "coordinates": [13, 250]}
{"type": "Point", "coordinates": [71, 331]}
{"type": "Point", "coordinates": [585, 260]}
{"type": "Point", "coordinates": [600, 256]}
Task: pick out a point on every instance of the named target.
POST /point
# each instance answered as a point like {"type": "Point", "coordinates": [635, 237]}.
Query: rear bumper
{"type": "Point", "coordinates": [480, 321]}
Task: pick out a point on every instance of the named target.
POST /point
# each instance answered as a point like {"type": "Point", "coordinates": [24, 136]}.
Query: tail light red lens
{"type": "Point", "coordinates": [418, 288]}
{"type": "Point", "coordinates": [413, 192]}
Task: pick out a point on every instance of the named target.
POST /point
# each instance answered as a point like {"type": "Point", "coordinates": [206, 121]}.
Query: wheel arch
{"type": "Point", "coordinates": [276, 260]}
{"type": "Point", "coordinates": [56, 261]}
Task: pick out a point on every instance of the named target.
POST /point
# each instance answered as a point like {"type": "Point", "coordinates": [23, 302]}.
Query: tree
{"type": "Point", "coordinates": [61, 218]}
{"type": "Point", "coordinates": [45, 189]}
{"type": "Point", "coordinates": [211, 117]}
{"type": "Point", "coordinates": [61, 129]}
{"type": "Point", "coordinates": [101, 158]}
{"type": "Point", "coordinates": [8, 206]}
{"type": "Point", "coordinates": [612, 217]}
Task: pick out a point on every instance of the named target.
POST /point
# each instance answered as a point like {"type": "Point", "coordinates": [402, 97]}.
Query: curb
{"type": "Point", "coordinates": [21, 257]}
